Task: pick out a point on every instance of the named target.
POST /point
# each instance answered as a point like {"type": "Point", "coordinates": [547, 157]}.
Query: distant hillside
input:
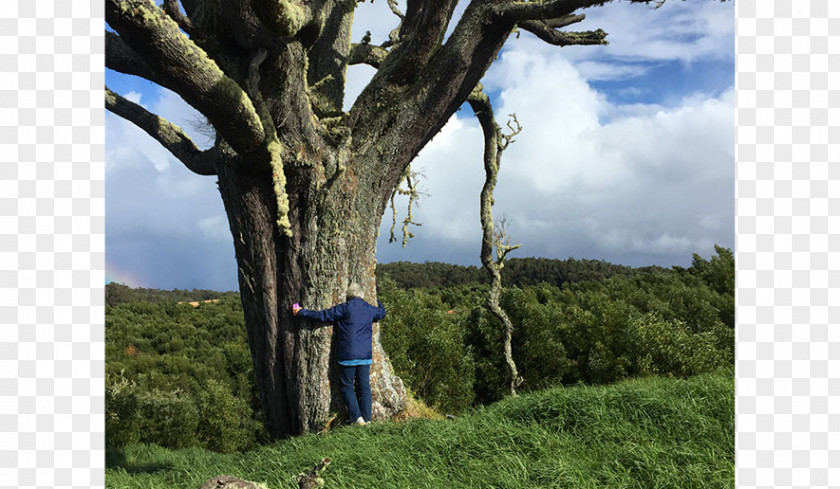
{"type": "Point", "coordinates": [116, 293]}
{"type": "Point", "coordinates": [517, 272]}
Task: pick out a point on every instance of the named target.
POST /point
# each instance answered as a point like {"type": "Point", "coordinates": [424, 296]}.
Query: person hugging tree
{"type": "Point", "coordinates": [353, 334]}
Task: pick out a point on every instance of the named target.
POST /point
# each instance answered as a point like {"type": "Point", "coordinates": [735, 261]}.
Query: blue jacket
{"type": "Point", "coordinates": [354, 321]}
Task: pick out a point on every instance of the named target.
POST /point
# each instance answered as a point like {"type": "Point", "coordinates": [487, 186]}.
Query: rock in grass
{"type": "Point", "coordinates": [230, 482]}
{"type": "Point", "coordinates": [312, 479]}
{"type": "Point", "coordinates": [306, 480]}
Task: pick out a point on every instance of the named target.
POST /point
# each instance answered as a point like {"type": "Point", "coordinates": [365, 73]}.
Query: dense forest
{"type": "Point", "coordinates": [180, 375]}
{"type": "Point", "coordinates": [518, 272]}
{"type": "Point", "coordinates": [116, 293]}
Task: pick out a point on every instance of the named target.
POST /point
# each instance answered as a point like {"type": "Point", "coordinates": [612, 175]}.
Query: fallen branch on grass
{"type": "Point", "coordinates": [305, 480]}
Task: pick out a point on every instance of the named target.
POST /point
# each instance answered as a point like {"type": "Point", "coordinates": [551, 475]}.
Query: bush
{"type": "Point", "coordinates": [669, 348]}
{"type": "Point", "coordinates": [226, 424]}
{"type": "Point", "coordinates": [168, 418]}
{"type": "Point", "coordinates": [426, 346]}
{"type": "Point", "coordinates": [122, 424]}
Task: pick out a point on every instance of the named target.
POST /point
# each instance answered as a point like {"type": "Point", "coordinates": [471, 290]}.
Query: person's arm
{"type": "Point", "coordinates": [330, 315]}
{"type": "Point", "coordinates": [380, 311]}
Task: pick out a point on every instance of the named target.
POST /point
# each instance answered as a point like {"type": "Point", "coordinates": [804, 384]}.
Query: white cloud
{"type": "Point", "coordinates": [600, 71]}
{"type": "Point", "coordinates": [156, 228]}
{"type": "Point", "coordinates": [127, 145]}
{"type": "Point", "coordinates": [586, 178]}
{"type": "Point", "coordinates": [640, 36]}
{"type": "Point", "coordinates": [134, 97]}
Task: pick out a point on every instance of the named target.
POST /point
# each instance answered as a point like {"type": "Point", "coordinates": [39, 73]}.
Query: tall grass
{"type": "Point", "coordinates": [650, 432]}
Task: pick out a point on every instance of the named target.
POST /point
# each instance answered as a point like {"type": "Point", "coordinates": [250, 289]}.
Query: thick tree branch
{"type": "Point", "coordinates": [564, 21]}
{"type": "Point", "coordinates": [420, 35]}
{"type": "Point", "coordinates": [188, 70]}
{"type": "Point", "coordinates": [368, 54]}
{"type": "Point", "coordinates": [172, 10]}
{"type": "Point", "coordinates": [167, 134]}
{"type": "Point", "coordinates": [120, 57]}
{"type": "Point", "coordinates": [328, 57]}
{"type": "Point", "coordinates": [404, 118]}
{"type": "Point", "coordinates": [560, 38]}
{"type": "Point", "coordinates": [519, 11]}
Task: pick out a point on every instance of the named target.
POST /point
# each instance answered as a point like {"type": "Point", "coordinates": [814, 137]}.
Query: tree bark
{"type": "Point", "coordinates": [335, 222]}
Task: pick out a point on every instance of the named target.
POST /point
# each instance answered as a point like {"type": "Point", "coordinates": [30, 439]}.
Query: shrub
{"type": "Point", "coordinates": [426, 346]}
{"type": "Point", "coordinates": [168, 418]}
{"type": "Point", "coordinates": [226, 424]}
{"type": "Point", "coordinates": [122, 424]}
{"type": "Point", "coordinates": [669, 348]}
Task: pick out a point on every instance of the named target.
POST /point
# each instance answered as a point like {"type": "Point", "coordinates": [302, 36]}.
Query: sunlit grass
{"type": "Point", "coordinates": [651, 432]}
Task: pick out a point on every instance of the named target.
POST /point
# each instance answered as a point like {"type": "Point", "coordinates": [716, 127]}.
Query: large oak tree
{"type": "Point", "coordinates": [305, 184]}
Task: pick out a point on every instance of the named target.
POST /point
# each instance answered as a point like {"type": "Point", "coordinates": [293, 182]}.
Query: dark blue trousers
{"type": "Point", "coordinates": [357, 397]}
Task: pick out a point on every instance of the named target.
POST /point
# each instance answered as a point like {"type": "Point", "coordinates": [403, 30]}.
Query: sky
{"type": "Point", "coordinates": [626, 155]}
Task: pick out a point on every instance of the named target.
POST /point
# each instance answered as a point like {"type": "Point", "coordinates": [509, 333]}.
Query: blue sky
{"type": "Point", "coordinates": [627, 155]}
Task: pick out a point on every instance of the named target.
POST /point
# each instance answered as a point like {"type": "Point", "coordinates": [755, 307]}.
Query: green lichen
{"type": "Point", "coordinates": [288, 18]}
{"type": "Point", "coordinates": [275, 151]}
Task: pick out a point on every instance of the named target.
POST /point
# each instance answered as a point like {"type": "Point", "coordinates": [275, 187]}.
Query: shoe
{"type": "Point", "coordinates": [361, 421]}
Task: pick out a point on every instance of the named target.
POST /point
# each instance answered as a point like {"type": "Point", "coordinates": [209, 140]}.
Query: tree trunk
{"type": "Point", "coordinates": [335, 222]}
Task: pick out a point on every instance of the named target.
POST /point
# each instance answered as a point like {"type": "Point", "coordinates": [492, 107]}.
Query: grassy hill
{"type": "Point", "coordinates": [646, 432]}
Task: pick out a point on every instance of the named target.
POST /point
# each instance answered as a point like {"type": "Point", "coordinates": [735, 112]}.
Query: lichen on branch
{"type": "Point", "coordinates": [409, 177]}
{"type": "Point", "coordinates": [284, 17]}
{"type": "Point", "coordinates": [273, 147]}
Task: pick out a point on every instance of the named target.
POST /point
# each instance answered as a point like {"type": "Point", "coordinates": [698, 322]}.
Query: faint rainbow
{"type": "Point", "coordinates": [121, 275]}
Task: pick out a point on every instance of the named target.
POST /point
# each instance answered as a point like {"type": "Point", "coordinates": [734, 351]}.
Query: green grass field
{"type": "Point", "coordinates": [645, 433]}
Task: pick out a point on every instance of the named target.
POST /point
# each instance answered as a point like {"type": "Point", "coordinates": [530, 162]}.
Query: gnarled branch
{"type": "Point", "coordinates": [120, 57]}
{"type": "Point", "coordinates": [167, 134]}
{"type": "Point", "coordinates": [363, 53]}
{"type": "Point", "coordinates": [410, 99]}
{"type": "Point", "coordinates": [560, 38]}
{"type": "Point", "coordinates": [564, 21]}
{"type": "Point", "coordinates": [519, 11]}
{"type": "Point", "coordinates": [187, 69]}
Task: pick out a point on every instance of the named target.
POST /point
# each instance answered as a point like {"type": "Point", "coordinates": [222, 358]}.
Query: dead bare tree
{"type": "Point", "coordinates": [495, 237]}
